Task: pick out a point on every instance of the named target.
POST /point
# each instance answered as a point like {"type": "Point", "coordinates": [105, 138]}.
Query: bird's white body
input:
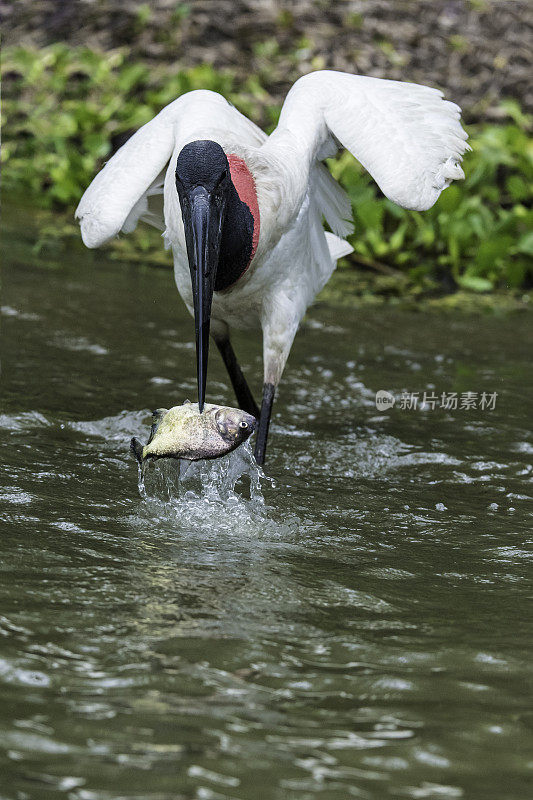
{"type": "Point", "coordinates": [294, 257]}
{"type": "Point", "coordinates": [406, 135]}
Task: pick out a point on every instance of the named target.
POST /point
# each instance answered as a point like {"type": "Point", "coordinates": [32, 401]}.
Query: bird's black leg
{"type": "Point", "coordinates": [269, 391]}
{"type": "Point", "coordinates": [242, 391]}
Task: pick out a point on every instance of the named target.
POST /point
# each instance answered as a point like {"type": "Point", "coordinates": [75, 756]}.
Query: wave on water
{"type": "Point", "coordinates": [26, 420]}
{"type": "Point", "coordinates": [117, 428]}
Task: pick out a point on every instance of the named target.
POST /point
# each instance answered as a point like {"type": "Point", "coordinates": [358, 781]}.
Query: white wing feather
{"type": "Point", "coordinates": [408, 138]}
{"type": "Point", "coordinates": [333, 202]}
{"type": "Point", "coordinates": [117, 189]}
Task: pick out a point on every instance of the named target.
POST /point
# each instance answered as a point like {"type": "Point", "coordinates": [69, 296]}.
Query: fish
{"type": "Point", "coordinates": [184, 432]}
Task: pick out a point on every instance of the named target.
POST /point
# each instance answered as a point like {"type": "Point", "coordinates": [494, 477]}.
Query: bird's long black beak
{"type": "Point", "coordinates": [203, 215]}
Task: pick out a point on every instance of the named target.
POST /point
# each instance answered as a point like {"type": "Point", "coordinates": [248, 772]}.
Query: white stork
{"type": "Point", "coordinates": [243, 212]}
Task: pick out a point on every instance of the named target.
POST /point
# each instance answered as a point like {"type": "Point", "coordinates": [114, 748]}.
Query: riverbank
{"type": "Point", "coordinates": [37, 236]}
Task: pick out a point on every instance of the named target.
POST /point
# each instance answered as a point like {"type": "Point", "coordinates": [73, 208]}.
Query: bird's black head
{"type": "Point", "coordinates": [203, 163]}
{"type": "Point", "coordinates": [208, 199]}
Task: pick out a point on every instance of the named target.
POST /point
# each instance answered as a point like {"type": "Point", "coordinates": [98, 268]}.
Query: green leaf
{"type": "Point", "coordinates": [518, 188]}
{"type": "Point", "coordinates": [398, 237]}
{"type": "Point", "coordinates": [474, 282]}
{"type": "Point", "coordinates": [525, 244]}
{"type": "Point", "coordinates": [370, 213]}
{"type": "Point", "coordinates": [492, 250]}
{"type": "Point", "coordinates": [449, 198]}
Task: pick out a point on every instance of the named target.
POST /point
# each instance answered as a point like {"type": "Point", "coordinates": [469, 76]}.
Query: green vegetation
{"type": "Point", "coordinates": [479, 233]}
{"type": "Point", "coordinates": [63, 107]}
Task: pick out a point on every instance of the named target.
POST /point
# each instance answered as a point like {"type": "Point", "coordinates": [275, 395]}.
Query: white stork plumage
{"type": "Point", "coordinates": [243, 212]}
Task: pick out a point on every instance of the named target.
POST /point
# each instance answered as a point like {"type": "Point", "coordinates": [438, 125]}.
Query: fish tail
{"type": "Point", "coordinates": [137, 450]}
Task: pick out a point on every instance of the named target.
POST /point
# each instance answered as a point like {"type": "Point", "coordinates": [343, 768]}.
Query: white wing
{"type": "Point", "coordinates": [408, 138]}
{"type": "Point", "coordinates": [130, 186]}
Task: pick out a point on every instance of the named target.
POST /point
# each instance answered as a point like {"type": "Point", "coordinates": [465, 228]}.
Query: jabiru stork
{"type": "Point", "coordinates": [243, 212]}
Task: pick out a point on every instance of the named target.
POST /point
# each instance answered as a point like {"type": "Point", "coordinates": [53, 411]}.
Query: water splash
{"type": "Point", "coordinates": [216, 479]}
{"type": "Point", "coordinates": [225, 493]}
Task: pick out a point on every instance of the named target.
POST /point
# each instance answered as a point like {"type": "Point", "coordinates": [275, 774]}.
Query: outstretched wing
{"type": "Point", "coordinates": [130, 186]}
{"type": "Point", "coordinates": [122, 186]}
{"type": "Point", "coordinates": [407, 136]}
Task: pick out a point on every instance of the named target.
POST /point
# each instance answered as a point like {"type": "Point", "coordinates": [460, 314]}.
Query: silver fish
{"type": "Point", "coordinates": [182, 432]}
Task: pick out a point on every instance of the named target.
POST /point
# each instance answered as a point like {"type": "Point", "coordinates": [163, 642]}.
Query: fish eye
{"type": "Point", "coordinates": [243, 424]}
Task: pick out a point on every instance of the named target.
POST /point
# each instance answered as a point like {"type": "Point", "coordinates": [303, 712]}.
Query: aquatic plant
{"type": "Point", "coordinates": [478, 234]}
{"type": "Point", "coordinates": [66, 109]}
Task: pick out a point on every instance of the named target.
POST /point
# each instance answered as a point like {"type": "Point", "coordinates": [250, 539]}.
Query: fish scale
{"type": "Point", "coordinates": [184, 432]}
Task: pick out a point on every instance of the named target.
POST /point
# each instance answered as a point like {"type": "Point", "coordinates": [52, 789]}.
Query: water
{"type": "Point", "coordinates": [362, 629]}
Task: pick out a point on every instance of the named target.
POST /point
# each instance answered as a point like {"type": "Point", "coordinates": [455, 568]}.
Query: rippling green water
{"type": "Point", "coordinates": [362, 629]}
